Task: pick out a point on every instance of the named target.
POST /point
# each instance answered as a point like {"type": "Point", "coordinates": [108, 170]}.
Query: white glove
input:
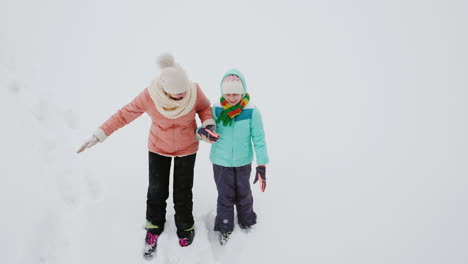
{"type": "Point", "coordinates": [89, 143]}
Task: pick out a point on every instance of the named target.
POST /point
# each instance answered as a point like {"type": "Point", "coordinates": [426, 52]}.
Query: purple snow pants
{"type": "Point", "coordinates": [233, 185]}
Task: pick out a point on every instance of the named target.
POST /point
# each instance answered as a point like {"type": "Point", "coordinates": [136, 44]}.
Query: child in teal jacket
{"type": "Point", "coordinates": [240, 129]}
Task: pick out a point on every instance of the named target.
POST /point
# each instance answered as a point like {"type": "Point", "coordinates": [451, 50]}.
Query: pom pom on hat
{"type": "Point", "coordinates": [172, 78]}
{"type": "Point", "coordinates": [165, 60]}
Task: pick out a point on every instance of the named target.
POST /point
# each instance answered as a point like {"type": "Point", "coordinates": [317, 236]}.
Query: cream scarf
{"type": "Point", "coordinates": [169, 107]}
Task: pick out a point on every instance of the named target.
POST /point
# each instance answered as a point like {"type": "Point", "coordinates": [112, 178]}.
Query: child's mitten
{"type": "Point", "coordinates": [260, 174]}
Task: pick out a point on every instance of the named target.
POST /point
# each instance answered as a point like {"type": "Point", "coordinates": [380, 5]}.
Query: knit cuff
{"type": "Point", "coordinates": [208, 122]}
{"type": "Point", "coordinates": [100, 134]}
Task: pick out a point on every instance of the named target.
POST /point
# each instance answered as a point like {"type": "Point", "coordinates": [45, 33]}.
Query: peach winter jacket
{"type": "Point", "coordinates": [168, 137]}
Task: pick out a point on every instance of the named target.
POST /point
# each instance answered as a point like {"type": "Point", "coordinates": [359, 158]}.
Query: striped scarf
{"type": "Point", "coordinates": [229, 112]}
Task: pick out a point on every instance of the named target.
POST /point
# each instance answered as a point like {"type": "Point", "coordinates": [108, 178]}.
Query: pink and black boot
{"type": "Point", "coordinates": [186, 237]}
{"type": "Point", "coordinates": [151, 242]}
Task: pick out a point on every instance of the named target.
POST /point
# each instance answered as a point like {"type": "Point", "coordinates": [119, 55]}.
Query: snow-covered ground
{"type": "Point", "coordinates": [364, 105]}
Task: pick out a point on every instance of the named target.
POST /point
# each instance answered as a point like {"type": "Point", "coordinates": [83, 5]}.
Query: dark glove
{"type": "Point", "coordinates": [260, 174]}
{"type": "Point", "coordinates": [207, 134]}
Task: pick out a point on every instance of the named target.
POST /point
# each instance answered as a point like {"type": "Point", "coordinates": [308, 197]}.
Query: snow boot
{"type": "Point", "coordinates": [246, 228]}
{"type": "Point", "coordinates": [151, 242]}
{"type": "Point", "coordinates": [186, 237]}
{"type": "Point", "coordinates": [223, 238]}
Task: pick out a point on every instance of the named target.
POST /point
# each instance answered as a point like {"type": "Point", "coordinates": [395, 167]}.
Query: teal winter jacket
{"type": "Point", "coordinates": [237, 142]}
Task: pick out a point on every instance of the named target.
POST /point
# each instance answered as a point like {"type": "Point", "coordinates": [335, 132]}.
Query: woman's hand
{"type": "Point", "coordinates": [89, 143]}
{"type": "Point", "coordinates": [208, 134]}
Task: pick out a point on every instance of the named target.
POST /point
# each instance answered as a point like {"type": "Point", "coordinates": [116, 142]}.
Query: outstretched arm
{"type": "Point", "coordinates": [121, 118]}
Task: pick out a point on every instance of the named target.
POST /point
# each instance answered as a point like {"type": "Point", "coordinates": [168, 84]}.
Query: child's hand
{"type": "Point", "coordinates": [207, 134]}
{"type": "Point", "coordinates": [260, 174]}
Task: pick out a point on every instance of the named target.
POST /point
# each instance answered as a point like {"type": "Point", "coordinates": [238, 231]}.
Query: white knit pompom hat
{"type": "Point", "coordinates": [173, 78]}
{"type": "Point", "coordinates": [232, 84]}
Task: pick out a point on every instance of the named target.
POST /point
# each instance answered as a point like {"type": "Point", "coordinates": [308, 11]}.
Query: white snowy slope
{"type": "Point", "coordinates": [364, 106]}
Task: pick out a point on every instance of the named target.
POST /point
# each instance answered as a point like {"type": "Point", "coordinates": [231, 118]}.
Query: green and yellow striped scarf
{"type": "Point", "coordinates": [229, 112]}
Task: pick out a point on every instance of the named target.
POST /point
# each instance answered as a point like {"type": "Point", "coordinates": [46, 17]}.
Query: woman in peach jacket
{"type": "Point", "coordinates": [171, 101]}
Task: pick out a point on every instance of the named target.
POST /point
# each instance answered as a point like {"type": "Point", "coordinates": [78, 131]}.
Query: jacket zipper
{"type": "Point", "coordinates": [174, 137]}
{"type": "Point", "coordinates": [234, 143]}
